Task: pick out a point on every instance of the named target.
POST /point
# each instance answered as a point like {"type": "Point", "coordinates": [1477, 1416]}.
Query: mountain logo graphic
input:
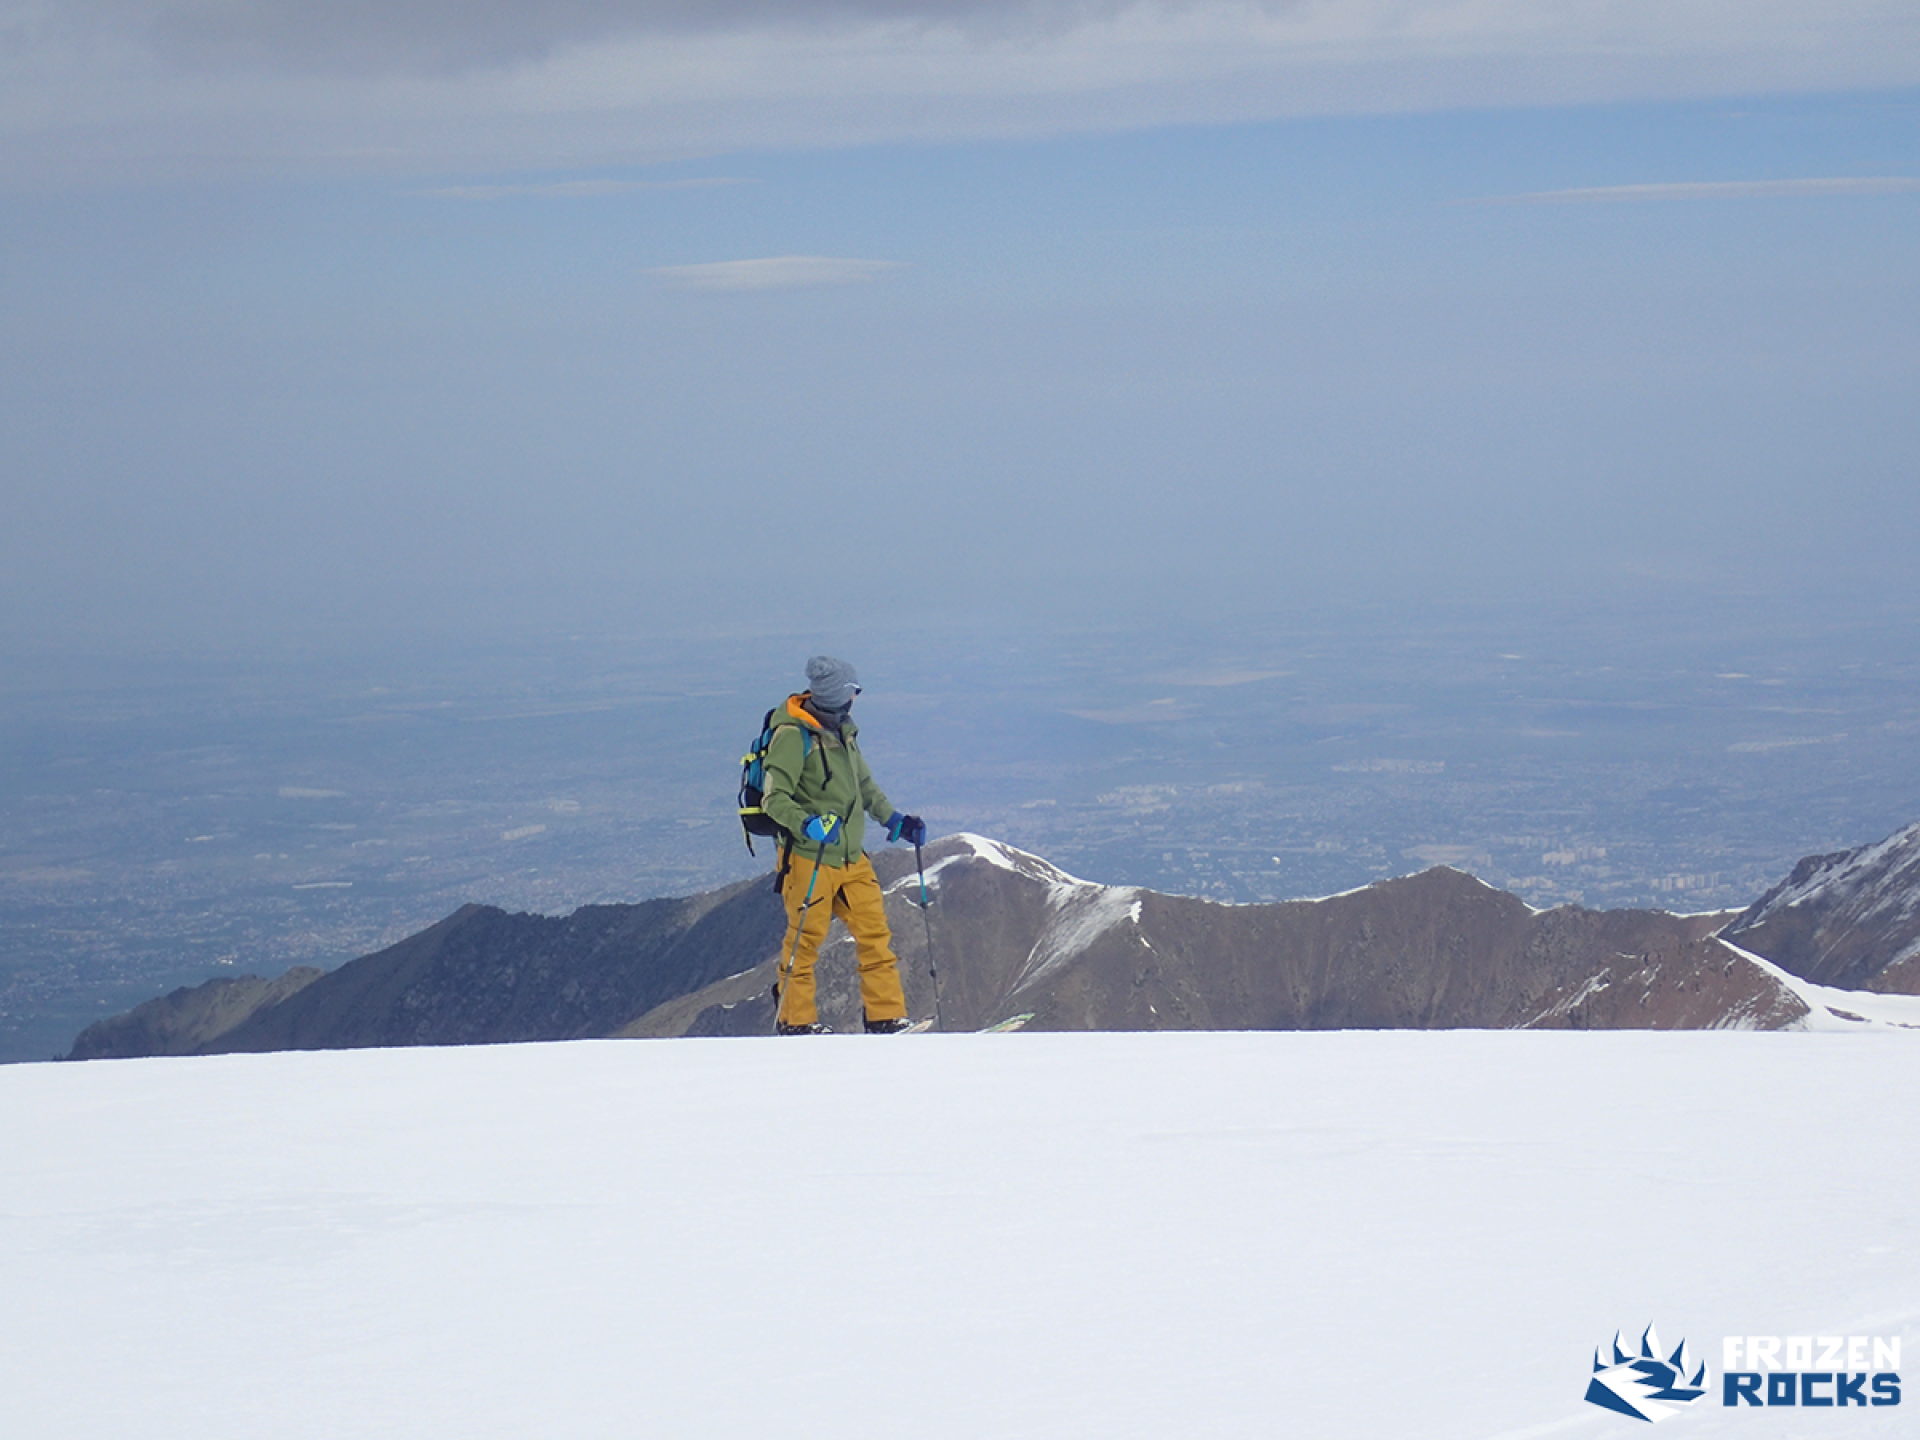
{"type": "Point", "coordinates": [1644, 1385]}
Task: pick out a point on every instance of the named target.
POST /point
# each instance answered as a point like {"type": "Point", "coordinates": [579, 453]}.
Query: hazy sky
{"type": "Point", "coordinates": [374, 315]}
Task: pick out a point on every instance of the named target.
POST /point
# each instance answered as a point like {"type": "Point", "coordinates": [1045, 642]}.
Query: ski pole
{"type": "Point", "coordinates": [933, 971]}
{"type": "Point", "coordinates": [799, 924]}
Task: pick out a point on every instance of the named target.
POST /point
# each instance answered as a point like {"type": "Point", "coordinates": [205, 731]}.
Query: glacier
{"type": "Point", "coordinates": [954, 1237]}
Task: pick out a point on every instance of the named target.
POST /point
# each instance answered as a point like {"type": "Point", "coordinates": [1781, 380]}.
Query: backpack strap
{"type": "Point", "coordinates": [786, 838]}
{"type": "Point", "coordinates": [806, 746]}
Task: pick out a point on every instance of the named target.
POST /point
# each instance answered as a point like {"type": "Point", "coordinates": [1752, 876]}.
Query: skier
{"type": "Point", "coordinates": [819, 790]}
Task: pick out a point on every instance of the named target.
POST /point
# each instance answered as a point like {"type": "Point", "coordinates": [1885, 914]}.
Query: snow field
{"type": "Point", "coordinates": [1298, 1234]}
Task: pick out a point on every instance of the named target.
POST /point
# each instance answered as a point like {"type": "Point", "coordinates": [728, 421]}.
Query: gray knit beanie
{"type": "Point", "coordinates": [833, 682]}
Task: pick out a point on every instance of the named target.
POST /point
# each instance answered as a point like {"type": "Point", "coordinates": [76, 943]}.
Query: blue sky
{"type": "Point", "coordinates": [316, 332]}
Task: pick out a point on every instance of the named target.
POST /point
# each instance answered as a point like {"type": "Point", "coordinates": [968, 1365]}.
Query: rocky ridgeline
{"type": "Point", "coordinates": [1013, 934]}
{"type": "Point", "coordinates": [1850, 920]}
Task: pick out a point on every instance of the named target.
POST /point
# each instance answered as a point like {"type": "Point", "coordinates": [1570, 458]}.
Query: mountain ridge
{"type": "Point", "coordinates": [1013, 933]}
{"type": "Point", "coordinates": [1850, 919]}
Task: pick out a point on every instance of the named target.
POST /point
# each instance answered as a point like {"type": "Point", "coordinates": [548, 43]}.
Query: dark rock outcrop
{"type": "Point", "coordinates": [190, 1017]}
{"type": "Point", "coordinates": [482, 975]}
{"type": "Point", "coordinates": [1851, 919]}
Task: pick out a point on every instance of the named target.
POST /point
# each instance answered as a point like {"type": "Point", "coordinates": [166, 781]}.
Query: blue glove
{"type": "Point", "coordinates": [822, 828]}
{"type": "Point", "coordinates": [910, 828]}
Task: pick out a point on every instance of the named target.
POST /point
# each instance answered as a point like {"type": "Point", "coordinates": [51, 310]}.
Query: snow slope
{"type": "Point", "coordinates": [1362, 1234]}
{"type": "Point", "coordinates": [1831, 1008]}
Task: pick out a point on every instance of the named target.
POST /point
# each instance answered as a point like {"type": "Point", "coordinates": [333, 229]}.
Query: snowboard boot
{"type": "Point", "coordinates": [885, 1027]}
{"type": "Point", "coordinates": [814, 1029]}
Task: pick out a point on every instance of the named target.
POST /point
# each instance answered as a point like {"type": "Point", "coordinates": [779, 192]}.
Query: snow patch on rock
{"type": "Point", "coordinates": [1593, 985]}
{"type": "Point", "coordinates": [1836, 878]}
{"type": "Point", "coordinates": [1082, 913]}
{"type": "Point", "coordinates": [1829, 1008]}
{"type": "Point", "coordinates": [997, 854]}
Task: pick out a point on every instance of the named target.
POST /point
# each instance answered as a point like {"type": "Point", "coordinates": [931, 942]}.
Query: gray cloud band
{"type": "Point", "coordinates": [151, 89]}
{"type": "Point", "coordinates": [1716, 190]}
{"type": "Point", "coordinates": [451, 36]}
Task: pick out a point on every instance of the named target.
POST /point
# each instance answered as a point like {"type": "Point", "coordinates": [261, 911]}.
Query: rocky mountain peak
{"type": "Point", "coordinates": [1850, 919]}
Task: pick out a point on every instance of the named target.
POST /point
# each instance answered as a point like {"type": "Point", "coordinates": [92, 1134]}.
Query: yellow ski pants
{"type": "Point", "coordinates": [851, 892]}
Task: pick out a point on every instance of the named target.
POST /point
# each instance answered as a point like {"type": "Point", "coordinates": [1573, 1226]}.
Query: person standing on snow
{"type": "Point", "coordinates": [819, 790]}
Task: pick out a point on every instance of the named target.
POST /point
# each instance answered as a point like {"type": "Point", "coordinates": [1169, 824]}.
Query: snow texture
{"type": "Point", "coordinates": [1133, 1237]}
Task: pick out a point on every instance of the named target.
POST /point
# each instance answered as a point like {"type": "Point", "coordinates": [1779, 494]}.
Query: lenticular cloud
{"type": "Point", "coordinates": [781, 272]}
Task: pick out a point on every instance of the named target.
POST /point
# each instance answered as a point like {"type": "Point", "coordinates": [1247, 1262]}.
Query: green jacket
{"type": "Point", "coordinates": [828, 775]}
